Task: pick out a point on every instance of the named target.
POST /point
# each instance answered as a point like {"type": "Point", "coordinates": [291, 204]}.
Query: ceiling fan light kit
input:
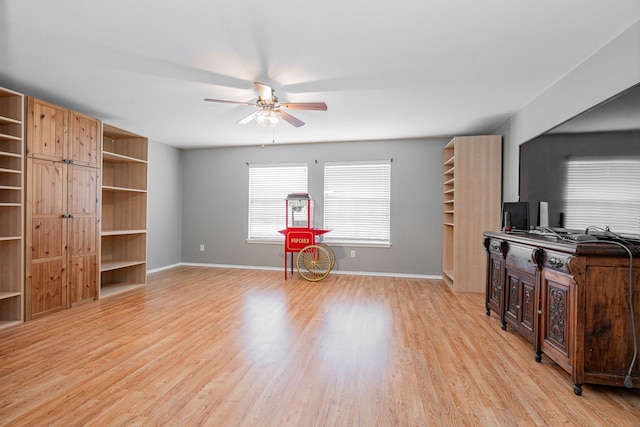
{"type": "Point", "coordinates": [270, 113]}
{"type": "Point", "coordinates": [267, 118]}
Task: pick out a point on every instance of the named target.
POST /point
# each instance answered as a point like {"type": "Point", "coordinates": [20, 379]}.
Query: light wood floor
{"type": "Point", "coordinates": [222, 347]}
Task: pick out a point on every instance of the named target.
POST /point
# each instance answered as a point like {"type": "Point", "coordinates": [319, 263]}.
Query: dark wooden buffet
{"type": "Point", "coordinates": [570, 299]}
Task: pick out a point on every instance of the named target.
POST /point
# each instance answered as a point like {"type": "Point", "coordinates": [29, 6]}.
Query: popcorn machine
{"type": "Point", "coordinates": [315, 259]}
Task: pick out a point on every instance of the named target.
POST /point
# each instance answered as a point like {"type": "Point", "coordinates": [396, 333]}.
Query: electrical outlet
{"type": "Point", "coordinates": [201, 248]}
{"type": "Point", "coordinates": [353, 254]}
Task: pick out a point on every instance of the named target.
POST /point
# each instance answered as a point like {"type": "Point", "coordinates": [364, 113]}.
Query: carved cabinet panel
{"type": "Point", "coordinates": [555, 322]}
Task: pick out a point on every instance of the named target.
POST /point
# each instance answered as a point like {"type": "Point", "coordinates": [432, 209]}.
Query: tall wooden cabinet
{"type": "Point", "coordinates": [472, 195]}
{"type": "Point", "coordinates": [123, 258]}
{"type": "Point", "coordinates": [62, 208]}
{"type": "Point", "coordinates": [11, 207]}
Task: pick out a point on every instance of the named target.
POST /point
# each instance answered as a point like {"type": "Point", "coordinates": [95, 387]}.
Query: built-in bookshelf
{"type": "Point", "coordinates": [123, 260]}
{"type": "Point", "coordinates": [471, 204]}
{"type": "Point", "coordinates": [11, 208]}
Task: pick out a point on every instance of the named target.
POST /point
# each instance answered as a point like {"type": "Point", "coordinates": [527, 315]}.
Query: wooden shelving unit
{"type": "Point", "coordinates": [448, 209]}
{"type": "Point", "coordinates": [123, 260]}
{"type": "Point", "coordinates": [11, 208]}
{"type": "Point", "coordinates": [471, 204]}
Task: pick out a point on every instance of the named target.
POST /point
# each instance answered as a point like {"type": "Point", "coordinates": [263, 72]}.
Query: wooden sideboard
{"type": "Point", "coordinates": [571, 300]}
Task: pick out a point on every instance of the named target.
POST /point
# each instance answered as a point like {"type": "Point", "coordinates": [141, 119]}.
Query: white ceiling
{"type": "Point", "coordinates": [387, 70]}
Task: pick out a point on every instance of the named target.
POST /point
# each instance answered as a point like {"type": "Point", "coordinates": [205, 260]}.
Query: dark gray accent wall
{"type": "Point", "coordinates": [543, 165]}
{"type": "Point", "coordinates": [215, 204]}
{"type": "Point", "coordinates": [164, 203]}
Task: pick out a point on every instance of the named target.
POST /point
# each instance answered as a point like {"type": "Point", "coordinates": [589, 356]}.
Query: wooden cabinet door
{"type": "Point", "coordinates": [84, 140]}
{"type": "Point", "coordinates": [63, 186]}
{"type": "Point", "coordinates": [555, 322]}
{"type": "Point", "coordinates": [46, 130]}
{"type": "Point", "coordinates": [83, 238]}
{"type": "Point", "coordinates": [528, 306]}
{"type": "Point", "coordinates": [520, 304]}
{"type": "Point", "coordinates": [46, 230]}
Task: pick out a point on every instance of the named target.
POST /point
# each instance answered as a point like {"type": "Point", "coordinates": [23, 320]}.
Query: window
{"type": "Point", "coordinates": [357, 202]}
{"type": "Point", "coordinates": [598, 188]}
{"type": "Point", "coordinates": [269, 186]}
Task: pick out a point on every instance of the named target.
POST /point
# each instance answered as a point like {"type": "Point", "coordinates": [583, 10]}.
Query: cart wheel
{"type": "Point", "coordinates": [332, 255]}
{"type": "Point", "coordinates": [313, 263]}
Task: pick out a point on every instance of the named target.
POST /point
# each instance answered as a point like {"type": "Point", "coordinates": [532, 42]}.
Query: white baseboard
{"type": "Point", "coordinates": [166, 267]}
{"type": "Point", "coordinates": [255, 267]}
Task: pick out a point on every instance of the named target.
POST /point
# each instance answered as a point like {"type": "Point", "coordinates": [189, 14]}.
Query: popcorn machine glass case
{"type": "Point", "coordinates": [300, 211]}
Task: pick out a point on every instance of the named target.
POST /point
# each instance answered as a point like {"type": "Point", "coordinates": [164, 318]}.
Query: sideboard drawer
{"type": "Point", "coordinates": [556, 261]}
{"type": "Point", "coordinates": [523, 258]}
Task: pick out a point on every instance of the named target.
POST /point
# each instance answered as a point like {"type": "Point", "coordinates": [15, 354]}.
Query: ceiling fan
{"type": "Point", "coordinates": [270, 110]}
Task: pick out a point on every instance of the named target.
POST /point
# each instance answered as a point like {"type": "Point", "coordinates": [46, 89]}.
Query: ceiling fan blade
{"type": "Point", "coordinates": [290, 119]}
{"type": "Point", "coordinates": [247, 119]}
{"type": "Point", "coordinates": [264, 92]}
{"type": "Point", "coordinates": [229, 102]}
{"type": "Point", "coordinates": [318, 106]}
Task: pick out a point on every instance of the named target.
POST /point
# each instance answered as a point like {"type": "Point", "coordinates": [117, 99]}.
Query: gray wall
{"type": "Point", "coordinates": [164, 206]}
{"type": "Point", "coordinates": [215, 203]}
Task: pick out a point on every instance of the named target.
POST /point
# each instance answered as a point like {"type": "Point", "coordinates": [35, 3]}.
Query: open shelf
{"type": "Point", "coordinates": [124, 175]}
{"type": "Point", "coordinates": [123, 279]}
{"type": "Point", "coordinates": [123, 250]}
{"type": "Point", "coordinates": [121, 145]}
{"type": "Point", "coordinates": [124, 211]}
{"type": "Point", "coordinates": [109, 289]}
{"type": "Point", "coordinates": [122, 232]}
{"type": "Point", "coordinates": [11, 266]}
{"type": "Point", "coordinates": [8, 295]}
{"type": "Point", "coordinates": [133, 190]}
{"type": "Point", "coordinates": [120, 158]}
{"type": "Point", "coordinates": [115, 265]}
{"type": "Point", "coordinates": [121, 210]}
{"type": "Point", "coordinates": [5, 153]}
{"type": "Point", "coordinates": [11, 208]}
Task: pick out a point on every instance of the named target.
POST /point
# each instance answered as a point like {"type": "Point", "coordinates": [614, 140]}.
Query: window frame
{"type": "Point", "coordinates": [358, 239]}
{"type": "Point", "coordinates": [277, 215]}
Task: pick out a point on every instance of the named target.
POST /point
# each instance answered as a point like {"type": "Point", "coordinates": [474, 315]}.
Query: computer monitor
{"type": "Point", "coordinates": [519, 214]}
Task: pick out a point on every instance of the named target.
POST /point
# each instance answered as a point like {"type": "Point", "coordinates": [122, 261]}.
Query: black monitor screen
{"type": "Point", "coordinates": [519, 214]}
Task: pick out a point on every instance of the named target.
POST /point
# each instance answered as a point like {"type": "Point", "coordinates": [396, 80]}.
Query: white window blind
{"type": "Point", "coordinates": [357, 202]}
{"type": "Point", "coordinates": [604, 193]}
{"type": "Point", "coordinates": [269, 186]}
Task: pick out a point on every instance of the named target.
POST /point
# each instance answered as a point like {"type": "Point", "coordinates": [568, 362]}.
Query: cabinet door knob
{"type": "Point", "coordinates": [539, 311]}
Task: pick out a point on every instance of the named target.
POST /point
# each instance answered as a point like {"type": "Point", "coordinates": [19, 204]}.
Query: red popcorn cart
{"type": "Point", "coordinates": [315, 259]}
